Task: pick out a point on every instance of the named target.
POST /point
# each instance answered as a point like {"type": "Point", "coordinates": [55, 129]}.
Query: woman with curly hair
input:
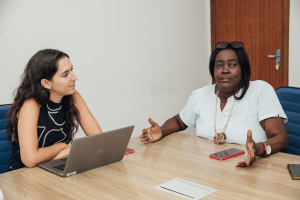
{"type": "Point", "coordinates": [46, 111]}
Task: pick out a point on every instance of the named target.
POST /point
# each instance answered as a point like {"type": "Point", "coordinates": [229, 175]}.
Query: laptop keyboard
{"type": "Point", "coordinates": [60, 167]}
{"type": "Point", "coordinates": [64, 159]}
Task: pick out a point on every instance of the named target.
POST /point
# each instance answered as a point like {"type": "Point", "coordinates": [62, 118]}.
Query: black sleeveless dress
{"type": "Point", "coordinates": [51, 130]}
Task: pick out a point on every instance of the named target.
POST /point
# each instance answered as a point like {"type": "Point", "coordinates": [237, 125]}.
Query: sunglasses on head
{"type": "Point", "coordinates": [223, 45]}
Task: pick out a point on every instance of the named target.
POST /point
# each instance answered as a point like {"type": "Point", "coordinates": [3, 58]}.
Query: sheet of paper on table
{"type": "Point", "coordinates": [1, 195]}
{"type": "Point", "coordinates": [185, 189]}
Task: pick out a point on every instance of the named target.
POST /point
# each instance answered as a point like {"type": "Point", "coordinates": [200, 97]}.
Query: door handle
{"type": "Point", "coordinates": [277, 56]}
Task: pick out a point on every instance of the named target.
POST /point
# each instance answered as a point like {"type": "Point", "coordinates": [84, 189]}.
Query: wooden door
{"type": "Point", "coordinates": [263, 27]}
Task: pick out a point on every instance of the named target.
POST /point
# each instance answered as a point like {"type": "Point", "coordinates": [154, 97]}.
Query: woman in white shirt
{"type": "Point", "coordinates": [234, 110]}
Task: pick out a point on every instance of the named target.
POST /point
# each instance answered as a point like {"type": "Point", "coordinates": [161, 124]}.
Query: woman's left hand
{"type": "Point", "coordinates": [63, 153]}
{"type": "Point", "coordinates": [252, 151]}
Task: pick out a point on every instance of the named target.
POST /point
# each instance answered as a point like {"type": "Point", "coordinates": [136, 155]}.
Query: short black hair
{"type": "Point", "coordinates": [244, 64]}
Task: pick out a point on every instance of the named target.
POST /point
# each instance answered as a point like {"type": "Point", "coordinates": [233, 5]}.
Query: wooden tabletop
{"type": "Point", "coordinates": [175, 156]}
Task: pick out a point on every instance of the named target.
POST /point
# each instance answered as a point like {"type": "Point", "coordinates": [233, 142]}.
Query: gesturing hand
{"type": "Point", "coordinates": [252, 151]}
{"type": "Point", "coordinates": [151, 134]}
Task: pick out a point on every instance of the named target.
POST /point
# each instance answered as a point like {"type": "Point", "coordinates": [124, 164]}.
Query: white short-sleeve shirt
{"type": "Point", "coordinates": [260, 102]}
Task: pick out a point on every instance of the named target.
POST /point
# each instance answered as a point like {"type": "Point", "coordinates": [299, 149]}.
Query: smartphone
{"type": "Point", "coordinates": [228, 153]}
{"type": "Point", "coordinates": [294, 170]}
{"type": "Point", "coordinates": [128, 151]}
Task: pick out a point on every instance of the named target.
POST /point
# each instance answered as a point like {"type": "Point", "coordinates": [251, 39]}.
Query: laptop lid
{"type": "Point", "coordinates": [96, 150]}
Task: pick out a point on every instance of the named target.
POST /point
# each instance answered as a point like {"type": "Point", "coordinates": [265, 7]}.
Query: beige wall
{"type": "Point", "coordinates": [134, 59]}
{"type": "Point", "coordinates": [294, 43]}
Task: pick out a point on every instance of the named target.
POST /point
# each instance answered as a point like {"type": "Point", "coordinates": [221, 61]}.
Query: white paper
{"type": "Point", "coordinates": [1, 195]}
{"type": "Point", "coordinates": [185, 189]}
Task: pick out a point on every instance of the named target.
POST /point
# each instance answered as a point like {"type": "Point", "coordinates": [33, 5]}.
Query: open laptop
{"type": "Point", "coordinates": [91, 152]}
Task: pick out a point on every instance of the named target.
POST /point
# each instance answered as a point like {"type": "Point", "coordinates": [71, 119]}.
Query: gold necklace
{"type": "Point", "coordinates": [221, 137]}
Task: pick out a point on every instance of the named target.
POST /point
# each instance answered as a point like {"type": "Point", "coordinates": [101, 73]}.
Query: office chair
{"type": "Point", "coordinates": [289, 98]}
{"type": "Point", "coordinates": [5, 145]}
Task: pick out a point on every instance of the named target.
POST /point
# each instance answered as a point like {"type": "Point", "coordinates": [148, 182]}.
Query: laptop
{"type": "Point", "coordinates": [91, 152]}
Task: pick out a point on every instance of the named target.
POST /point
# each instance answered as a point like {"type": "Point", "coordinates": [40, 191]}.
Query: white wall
{"type": "Point", "coordinates": [134, 59]}
{"type": "Point", "coordinates": [294, 64]}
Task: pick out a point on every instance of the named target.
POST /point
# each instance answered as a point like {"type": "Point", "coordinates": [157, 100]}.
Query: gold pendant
{"type": "Point", "coordinates": [220, 138]}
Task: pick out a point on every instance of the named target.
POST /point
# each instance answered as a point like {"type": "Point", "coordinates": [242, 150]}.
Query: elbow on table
{"type": "Point", "coordinates": [29, 162]}
{"type": "Point", "coordinates": [286, 144]}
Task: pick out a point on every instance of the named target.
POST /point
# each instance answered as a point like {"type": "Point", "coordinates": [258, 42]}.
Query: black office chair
{"type": "Point", "coordinates": [5, 145]}
{"type": "Point", "coordinates": [289, 98]}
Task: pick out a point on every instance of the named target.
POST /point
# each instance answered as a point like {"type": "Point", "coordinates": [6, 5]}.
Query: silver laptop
{"type": "Point", "coordinates": [91, 152]}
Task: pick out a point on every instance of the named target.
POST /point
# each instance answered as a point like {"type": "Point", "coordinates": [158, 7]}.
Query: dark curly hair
{"type": "Point", "coordinates": [244, 64]}
{"type": "Point", "coordinates": [43, 65]}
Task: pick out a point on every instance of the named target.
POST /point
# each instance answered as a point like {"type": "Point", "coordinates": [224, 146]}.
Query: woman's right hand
{"type": "Point", "coordinates": [151, 134]}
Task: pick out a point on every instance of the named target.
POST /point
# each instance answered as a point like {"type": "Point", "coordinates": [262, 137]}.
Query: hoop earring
{"type": "Point", "coordinates": [50, 90]}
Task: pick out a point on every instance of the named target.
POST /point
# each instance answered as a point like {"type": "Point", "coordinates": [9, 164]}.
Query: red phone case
{"type": "Point", "coordinates": [132, 150]}
{"type": "Point", "coordinates": [224, 158]}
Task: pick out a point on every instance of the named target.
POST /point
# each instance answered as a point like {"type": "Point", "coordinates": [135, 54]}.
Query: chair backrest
{"type": "Point", "coordinates": [289, 98]}
{"type": "Point", "coordinates": [5, 145]}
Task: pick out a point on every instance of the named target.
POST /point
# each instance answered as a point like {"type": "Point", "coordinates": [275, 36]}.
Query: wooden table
{"type": "Point", "coordinates": [175, 156]}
